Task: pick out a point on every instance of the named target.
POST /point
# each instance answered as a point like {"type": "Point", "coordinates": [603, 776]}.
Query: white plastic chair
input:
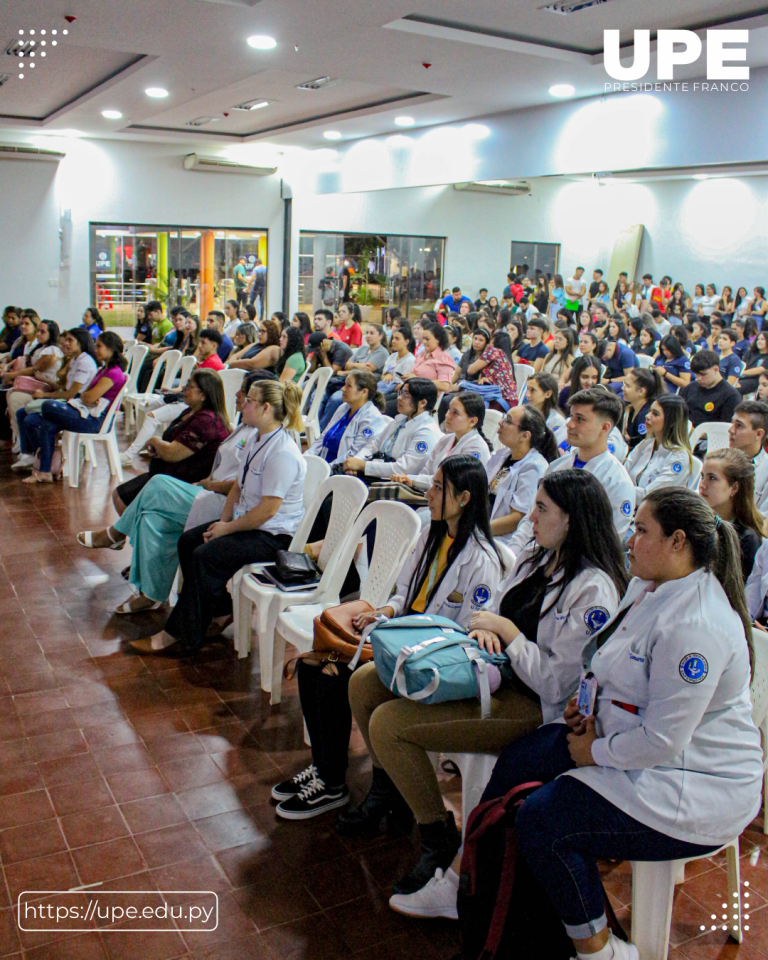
{"type": "Point", "coordinates": [759, 693]}
{"type": "Point", "coordinates": [397, 530]}
{"type": "Point", "coordinates": [715, 432]}
{"type": "Point", "coordinates": [693, 480]}
{"type": "Point", "coordinates": [167, 363]}
{"type": "Point", "coordinates": [491, 426]}
{"type": "Point", "coordinates": [318, 470]}
{"type": "Point", "coordinates": [71, 442]}
{"type": "Point", "coordinates": [475, 770]}
{"type": "Point", "coordinates": [231, 380]}
{"type": "Point", "coordinates": [186, 367]}
{"type": "Point", "coordinates": [523, 371]}
{"type": "Point", "coordinates": [135, 355]}
{"type": "Point", "coordinates": [644, 360]}
{"type": "Point", "coordinates": [310, 409]}
{"type": "Point", "coordinates": [349, 496]}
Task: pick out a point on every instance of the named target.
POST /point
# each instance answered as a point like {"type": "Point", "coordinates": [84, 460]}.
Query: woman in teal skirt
{"type": "Point", "coordinates": [158, 516]}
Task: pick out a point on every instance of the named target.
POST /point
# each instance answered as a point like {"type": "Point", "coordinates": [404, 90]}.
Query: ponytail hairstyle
{"type": "Point", "coordinates": [96, 317]}
{"type": "Point", "coordinates": [474, 406]}
{"type": "Point", "coordinates": [542, 438]}
{"type": "Point", "coordinates": [285, 400]}
{"type": "Point", "coordinates": [85, 340]}
{"type": "Point", "coordinates": [210, 384]}
{"type": "Point", "coordinates": [739, 469]}
{"type": "Point", "coordinates": [674, 435]}
{"type": "Point", "coordinates": [366, 381]}
{"type": "Point", "coordinates": [547, 384]}
{"type": "Point", "coordinates": [115, 344]}
{"type": "Point", "coordinates": [649, 381]}
{"type": "Point", "coordinates": [462, 473]}
{"type": "Point", "coordinates": [714, 543]}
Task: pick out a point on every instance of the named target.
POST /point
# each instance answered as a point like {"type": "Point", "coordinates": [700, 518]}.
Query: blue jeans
{"type": "Point", "coordinates": [38, 431]}
{"type": "Point", "coordinates": [565, 826]}
{"type": "Point", "coordinates": [329, 405]}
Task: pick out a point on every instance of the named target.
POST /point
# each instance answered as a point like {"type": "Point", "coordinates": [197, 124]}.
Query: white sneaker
{"type": "Point", "coordinates": [24, 462]}
{"type": "Point", "coordinates": [436, 899]}
{"type": "Point", "coordinates": [621, 950]}
{"type": "Point", "coordinates": [126, 458]}
{"type": "Point", "coordinates": [16, 448]}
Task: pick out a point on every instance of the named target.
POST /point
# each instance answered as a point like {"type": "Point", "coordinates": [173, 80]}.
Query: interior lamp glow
{"type": "Point", "coordinates": [157, 93]}
{"type": "Point", "coordinates": [404, 121]}
{"type": "Point", "coordinates": [332, 135]}
{"type": "Point", "coordinates": [261, 42]}
{"type": "Point", "coordinates": [112, 114]}
{"type": "Point", "coordinates": [562, 91]}
{"type": "Point", "coordinates": [701, 176]}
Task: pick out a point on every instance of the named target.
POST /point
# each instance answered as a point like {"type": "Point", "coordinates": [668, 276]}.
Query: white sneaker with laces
{"type": "Point", "coordinates": [126, 458]}
{"type": "Point", "coordinates": [436, 899]}
{"type": "Point", "coordinates": [621, 950]}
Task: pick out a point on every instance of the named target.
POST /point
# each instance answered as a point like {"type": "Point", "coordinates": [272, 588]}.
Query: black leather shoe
{"type": "Point", "coordinates": [440, 842]}
{"type": "Point", "coordinates": [383, 800]}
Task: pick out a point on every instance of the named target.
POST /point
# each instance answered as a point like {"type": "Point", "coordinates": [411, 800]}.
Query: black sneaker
{"type": "Point", "coordinates": [289, 788]}
{"type": "Point", "coordinates": [313, 799]}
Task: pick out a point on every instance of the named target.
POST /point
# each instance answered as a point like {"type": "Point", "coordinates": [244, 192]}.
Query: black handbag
{"type": "Point", "coordinates": [296, 568]}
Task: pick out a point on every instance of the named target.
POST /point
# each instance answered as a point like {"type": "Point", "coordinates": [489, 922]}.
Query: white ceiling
{"type": "Point", "coordinates": [486, 56]}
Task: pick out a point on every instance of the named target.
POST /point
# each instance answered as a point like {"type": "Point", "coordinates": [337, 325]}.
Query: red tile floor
{"type": "Point", "coordinates": [143, 774]}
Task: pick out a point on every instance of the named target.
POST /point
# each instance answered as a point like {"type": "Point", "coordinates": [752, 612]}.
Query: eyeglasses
{"type": "Point", "coordinates": [509, 421]}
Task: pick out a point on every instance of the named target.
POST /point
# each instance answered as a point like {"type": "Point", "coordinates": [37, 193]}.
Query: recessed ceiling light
{"type": "Point", "coordinates": [701, 176]}
{"type": "Point", "coordinates": [157, 92]}
{"type": "Point", "coordinates": [332, 135]}
{"type": "Point", "coordinates": [261, 42]}
{"type": "Point", "coordinates": [404, 121]}
{"type": "Point", "coordinates": [112, 114]}
{"type": "Point", "coordinates": [562, 90]}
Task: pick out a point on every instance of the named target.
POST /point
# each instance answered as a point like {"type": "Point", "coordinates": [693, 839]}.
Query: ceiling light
{"type": "Point", "coordinates": [701, 176]}
{"type": "Point", "coordinates": [562, 91]}
{"type": "Point", "coordinates": [251, 105]}
{"type": "Point", "coordinates": [332, 135]}
{"type": "Point", "coordinates": [112, 114]}
{"type": "Point", "coordinates": [404, 121]}
{"type": "Point", "coordinates": [260, 42]}
{"type": "Point", "coordinates": [157, 92]}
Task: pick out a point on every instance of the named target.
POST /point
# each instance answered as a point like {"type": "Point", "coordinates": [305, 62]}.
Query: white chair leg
{"type": "Point", "coordinates": [90, 453]}
{"type": "Point", "coordinates": [653, 886]}
{"type": "Point", "coordinates": [73, 457]}
{"type": "Point", "coordinates": [278, 656]}
{"type": "Point", "coordinates": [734, 891]}
{"type": "Point", "coordinates": [765, 802]}
{"type": "Point", "coordinates": [680, 878]}
{"type": "Point", "coordinates": [242, 612]}
{"type": "Point", "coordinates": [113, 455]}
{"type": "Point", "coordinates": [267, 621]}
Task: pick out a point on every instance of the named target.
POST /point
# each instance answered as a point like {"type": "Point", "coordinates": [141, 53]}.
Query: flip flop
{"type": "Point", "coordinates": [125, 608]}
{"type": "Point", "coordinates": [36, 478]}
{"type": "Point", "coordinates": [85, 539]}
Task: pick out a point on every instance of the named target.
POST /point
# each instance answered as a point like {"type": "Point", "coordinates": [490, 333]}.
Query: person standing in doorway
{"type": "Point", "coordinates": [258, 286]}
{"type": "Point", "coordinates": [240, 281]}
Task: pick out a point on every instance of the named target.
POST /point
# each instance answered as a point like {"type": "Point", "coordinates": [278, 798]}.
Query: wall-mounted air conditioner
{"type": "Point", "coordinates": [502, 188]}
{"type": "Point", "coordinates": [194, 161]}
{"type": "Point", "coordinates": [22, 151]}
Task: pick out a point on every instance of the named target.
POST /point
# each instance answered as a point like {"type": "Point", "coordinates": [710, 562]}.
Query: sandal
{"type": "Point", "coordinates": [126, 608]}
{"type": "Point", "coordinates": [85, 539]}
{"type": "Point", "coordinates": [36, 478]}
{"type": "Point", "coordinates": [149, 645]}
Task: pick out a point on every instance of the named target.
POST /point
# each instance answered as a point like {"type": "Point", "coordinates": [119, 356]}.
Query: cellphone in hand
{"type": "Point", "coordinates": [587, 695]}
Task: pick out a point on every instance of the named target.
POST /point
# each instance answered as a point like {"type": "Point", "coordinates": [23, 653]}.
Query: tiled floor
{"type": "Point", "coordinates": [143, 774]}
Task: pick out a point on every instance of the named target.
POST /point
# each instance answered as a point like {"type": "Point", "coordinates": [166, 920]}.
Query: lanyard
{"type": "Point", "coordinates": [389, 446]}
{"type": "Point", "coordinates": [257, 450]}
{"type": "Point", "coordinates": [433, 571]}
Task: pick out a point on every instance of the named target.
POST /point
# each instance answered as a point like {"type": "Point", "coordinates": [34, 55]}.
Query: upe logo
{"type": "Point", "coordinates": [688, 50]}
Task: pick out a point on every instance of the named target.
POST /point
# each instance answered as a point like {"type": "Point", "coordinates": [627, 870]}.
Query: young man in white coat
{"type": "Point", "coordinates": [594, 414]}
{"type": "Point", "coordinates": [747, 432]}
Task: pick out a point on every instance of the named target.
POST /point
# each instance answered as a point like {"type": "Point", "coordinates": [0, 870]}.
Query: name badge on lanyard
{"type": "Point", "coordinates": [258, 450]}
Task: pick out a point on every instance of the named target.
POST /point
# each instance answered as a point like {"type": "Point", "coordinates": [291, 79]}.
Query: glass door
{"type": "Point", "coordinates": [414, 268]}
{"type": "Point", "coordinates": [321, 256]}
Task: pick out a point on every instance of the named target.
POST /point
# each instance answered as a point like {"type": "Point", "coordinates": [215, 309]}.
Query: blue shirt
{"type": "Point", "coordinates": [453, 305]}
{"type": "Point", "coordinates": [225, 349]}
{"type": "Point", "coordinates": [526, 352]}
{"type": "Point", "coordinates": [730, 366]}
{"type": "Point", "coordinates": [675, 367]}
{"type": "Point", "coordinates": [94, 329]}
{"type": "Point", "coordinates": [170, 338]}
{"type": "Point", "coordinates": [333, 435]}
{"type": "Point", "coordinates": [622, 357]}
{"type": "Point", "coordinates": [741, 349]}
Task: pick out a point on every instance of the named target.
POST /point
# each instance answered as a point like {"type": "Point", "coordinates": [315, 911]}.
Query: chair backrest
{"type": "Point", "coordinates": [319, 380]}
{"type": "Point", "coordinates": [231, 380]}
{"type": "Point", "coordinates": [759, 686]}
{"type": "Point", "coordinates": [186, 367]}
{"type": "Point", "coordinates": [159, 367]}
{"type": "Point", "coordinates": [109, 420]}
{"type": "Point", "coordinates": [715, 432]}
{"type": "Point", "coordinates": [644, 360]}
{"type": "Point", "coordinates": [397, 530]}
{"type": "Point", "coordinates": [318, 470]}
{"type": "Point", "coordinates": [491, 425]}
{"type": "Point", "coordinates": [693, 480]}
{"type": "Point", "coordinates": [135, 356]}
{"type": "Point", "coordinates": [172, 361]}
{"type": "Point", "coordinates": [522, 372]}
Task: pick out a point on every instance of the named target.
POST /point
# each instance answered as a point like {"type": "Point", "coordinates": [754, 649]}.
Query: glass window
{"type": "Point", "coordinates": [538, 257]}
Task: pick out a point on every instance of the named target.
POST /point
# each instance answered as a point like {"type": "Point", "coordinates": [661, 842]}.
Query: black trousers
{"type": "Point", "coordinates": [325, 705]}
{"type": "Point", "coordinates": [145, 374]}
{"type": "Point", "coordinates": [130, 489]}
{"type": "Point", "coordinates": [206, 568]}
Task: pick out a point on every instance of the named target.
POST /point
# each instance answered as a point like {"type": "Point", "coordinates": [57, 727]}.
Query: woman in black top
{"type": "Point", "coordinates": [641, 388]}
{"type": "Point", "coordinates": [728, 485]}
{"type": "Point", "coordinates": [756, 361]}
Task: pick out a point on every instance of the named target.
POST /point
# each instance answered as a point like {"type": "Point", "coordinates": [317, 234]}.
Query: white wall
{"type": "Point", "coordinates": [115, 182]}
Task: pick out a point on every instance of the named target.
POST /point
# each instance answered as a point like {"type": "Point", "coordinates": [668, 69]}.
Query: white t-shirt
{"type": "Point", "coordinates": [274, 467]}
{"type": "Point", "coordinates": [708, 304]}
{"type": "Point", "coordinates": [82, 370]}
{"type": "Point", "coordinates": [397, 367]}
{"type": "Point", "coordinates": [578, 287]}
{"type": "Point", "coordinates": [49, 375]}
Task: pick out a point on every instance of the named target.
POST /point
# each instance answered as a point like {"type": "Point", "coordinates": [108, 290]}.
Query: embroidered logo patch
{"type": "Point", "coordinates": [595, 618]}
{"type": "Point", "coordinates": [693, 668]}
{"type": "Point", "coordinates": [677, 468]}
{"type": "Point", "coordinates": [421, 447]}
{"type": "Point", "coordinates": [626, 508]}
{"type": "Point", "coordinates": [642, 429]}
{"type": "Point", "coordinates": [367, 433]}
{"type": "Point", "coordinates": [475, 455]}
{"type": "Point", "coordinates": [612, 447]}
{"type": "Point", "coordinates": [482, 595]}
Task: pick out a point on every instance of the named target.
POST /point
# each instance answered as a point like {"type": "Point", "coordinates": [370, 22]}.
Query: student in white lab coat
{"type": "Point", "coordinates": [594, 414]}
{"type": "Point", "coordinates": [542, 393]}
{"type": "Point", "coordinates": [515, 470]}
{"type": "Point", "coordinates": [664, 458]}
{"type": "Point", "coordinates": [669, 765]}
{"type": "Point", "coordinates": [747, 432]}
{"type": "Point", "coordinates": [560, 593]}
{"type": "Point", "coordinates": [463, 423]}
{"type": "Point", "coordinates": [356, 422]}
{"type": "Point", "coordinates": [410, 437]}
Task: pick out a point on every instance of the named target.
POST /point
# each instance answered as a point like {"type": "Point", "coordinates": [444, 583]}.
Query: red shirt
{"type": "Point", "coordinates": [352, 336]}
{"type": "Point", "coordinates": [212, 363]}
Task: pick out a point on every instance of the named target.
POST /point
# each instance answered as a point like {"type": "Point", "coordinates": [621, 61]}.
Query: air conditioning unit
{"type": "Point", "coordinates": [22, 151]}
{"type": "Point", "coordinates": [502, 188]}
{"type": "Point", "coordinates": [566, 7]}
{"type": "Point", "coordinates": [252, 105]}
{"type": "Point", "coordinates": [200, 121]}
{"type": "Point", "coordinates": [317, 84]}
{"type": "Point", "coordinates": [194, 161]}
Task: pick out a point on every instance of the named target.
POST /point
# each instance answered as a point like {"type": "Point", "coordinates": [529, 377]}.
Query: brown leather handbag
{"type": "Point", "coordinates": [335, 638]}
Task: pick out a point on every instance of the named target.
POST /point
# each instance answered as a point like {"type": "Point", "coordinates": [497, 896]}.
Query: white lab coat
{"type": "Point", "coordinates": [761, 482]}
{"type": "Point", "coordinates": [469, 585]}
{"type": "Point", "coordinates": [415, 441]}
{"type": "Point", "coordinates": [552, 665]}
{"type": "Point", "coordinates": [689, 763]}
{"type": "Point", "coordinates": [471, 444]}
{"type": "Point", "coordinates": [617, 445]}
{"type": "Point", "coordinates": [757, 583]}
{"type": "Point", "coordinates": [616, 482]}
{"type": "Point", "coordinates": [651, 469]}
{"type": "Point", "coordinates": [362, 428]}
{"type": "Point", "coordinates": [518, 489]}
{"type": "Point", "coordinates": [556, 423]}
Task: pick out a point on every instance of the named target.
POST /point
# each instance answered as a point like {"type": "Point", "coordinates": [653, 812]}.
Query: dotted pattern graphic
{"type": "Point", "coordinates": [33, 44]}
{"type": "Point", "coordinates": [734, 916]}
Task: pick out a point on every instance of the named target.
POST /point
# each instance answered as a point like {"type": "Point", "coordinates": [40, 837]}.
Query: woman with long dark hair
{"type": "Point", "coordinates": [265, 355]}
{"type": "Point", "coordinates": [92, 322]}
{"type": "Point", "coordinates": [673, 365]}
{"type": "Point", "coordinates": [293, 359]}
{"type": "Point", "coordinates": [641, 388]}
{"type": "Point", "coordinates": [585, 373]}
{"type": "Point", "coordinates": [355, 423]}
{"type": "Point", "coordinates": [563, 356]}
{"type": "Point", "coordinates": [668, 763]}
{"type": "Point", "coordinates": [663, 458]}
{"type": "Point", "coordinates": [756, 361]}
{"type": "Point", "coordinates": [301, 321]}
{"type": "Point", "coordinates": [542, 394]}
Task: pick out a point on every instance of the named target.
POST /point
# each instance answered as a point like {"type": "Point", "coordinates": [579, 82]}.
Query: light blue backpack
{"type": "Point", "coordinates": [431, 659]}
